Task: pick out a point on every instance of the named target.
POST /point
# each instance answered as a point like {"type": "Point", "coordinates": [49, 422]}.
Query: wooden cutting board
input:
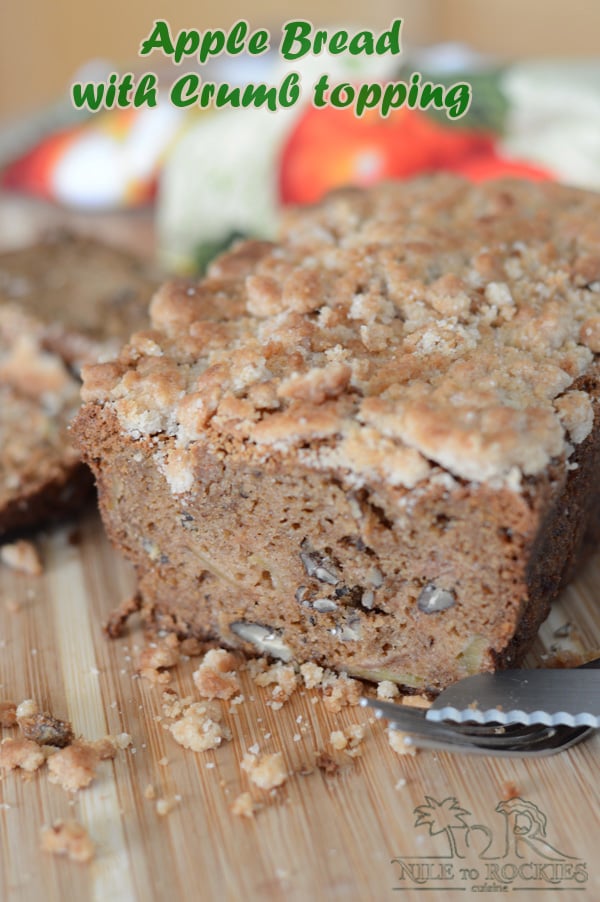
{"type": "Point", "coordinates": [319, 836]}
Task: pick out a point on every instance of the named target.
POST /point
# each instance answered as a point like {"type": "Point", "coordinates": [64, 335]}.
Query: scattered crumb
{"type": "Point", "coordinates": [312, 674]}
{"type": "Point", "coordinates": [254, 666]}
{"type": "Point", "coordinates": [164, 806]}
{"type": "Point", "coordinates": [45, 729]}
{"type": "Point", "coordinates": [68, 838]}
{"type": "Point", "coordinates": [191, 647]}
{"type": "Point", "coordinates": [243, 806]}
{"type": "Point", "coordinates": [22, 556]}
{"type": "Point", "coordinates": [164, 762]}
{"type": "Point", "coordinates": [338, 740]}
{"type": "Point", "coordinates": [122, 740]}
{"type": "Point", "coordinates": [105, 749]}
{"type": "Point", "coordinates": [348, 740]}
{"type": "Point", "coordinates": [157, 658]}
{"type": "Point", "coordinates": [200, 727]}
{"type": "Point", "coordinates": [510, 791]}
{"type": "Point", "coordinates": [401, 783]}
{"type": "Point", "coordinates": [27, 708]}
{"type": "Point", "coordinates": [283, 677]}
{"type": "Point", "coordinates": [396, 740]}
{"type": "Point", "coordinates": [387, 690]}
{"type": "Point", "coordinates": [173, 705]}
{"type": "Point", "coordinates": [8, 714]}
{"type": "Point", "coordinates": [216, 677]}
{"type": "Point", "coordinates": [267, 771]}
{"type": "Point", "coordinates": [340, 691]}
{"type": "Point", "coordinates": [327, 764]}
{"type": "Point", "coordinates": [22, 753]}
{"type": "Point", "coordinates": [74, 767]}
{"type": "Point", "coordinates": [149, 792]}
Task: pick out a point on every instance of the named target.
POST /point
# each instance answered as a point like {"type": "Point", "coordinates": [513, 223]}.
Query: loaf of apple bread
{"type": "Point", "coordinates": [374, 444]}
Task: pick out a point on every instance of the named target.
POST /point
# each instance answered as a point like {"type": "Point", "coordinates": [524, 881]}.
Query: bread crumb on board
{"type": "Point", "coordinates": [348, 739]}
{"type": "Point", "coordinates": [396, 740]}
{"type": "Point", "coordinates": [158, 658]}
{"type": "Point", "coordinates": [27, 708]}
{"type": "Point", "coordinates": [199, 727]}
{"type": "Point", "coordinates": [312, 674]}
{"type": "Point", "coordinates": [164, 806]}
{"type": "Point", "coordinates": [327, 764]}
{"type": "Point", "coordinates": [340, 691]}
{"type": "Point", "coordinates": [20, 753]}
{"type": "Point", "coordinates": [22, 556]}
{"type": "Point", "coordinates": [216, 677]}
{"type": "Point", "coordinates": [68, 838]}
{"type": "Point", "coordinates": [282, 676]}
{"type": "Point", "coordinates": [265, 771]}
{"type": "Point", "coordinates": [122, 740]}
{"type": "Point", "coordinates": [8, 714]}
{"type": "Point", "coordinates": [73, 767]}
{"type": "Point", "coordinates": [243, 805]}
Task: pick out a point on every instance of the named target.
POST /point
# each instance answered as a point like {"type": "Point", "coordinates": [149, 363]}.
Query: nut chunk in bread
{"type": "Point", "coordinates": [373, 445]}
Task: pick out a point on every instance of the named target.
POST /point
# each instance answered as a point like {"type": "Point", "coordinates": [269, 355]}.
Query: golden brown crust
{"type": "Point", "coordinates": [450, 321]}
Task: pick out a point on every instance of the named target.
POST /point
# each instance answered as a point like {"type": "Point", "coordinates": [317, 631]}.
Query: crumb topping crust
{"type": "Point", "coordinates": [391, 333]}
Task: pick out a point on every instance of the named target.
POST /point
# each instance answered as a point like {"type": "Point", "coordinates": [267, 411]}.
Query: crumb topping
{"type": "Point", "coordinates": [395, 331]}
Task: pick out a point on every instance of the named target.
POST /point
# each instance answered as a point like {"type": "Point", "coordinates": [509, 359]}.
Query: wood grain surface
{"type": "Point", "coordinates": [318, 836]}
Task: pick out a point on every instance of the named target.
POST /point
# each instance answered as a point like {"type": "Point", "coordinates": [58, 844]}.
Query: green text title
{"type": "Point", "coordinates": [299, 38]}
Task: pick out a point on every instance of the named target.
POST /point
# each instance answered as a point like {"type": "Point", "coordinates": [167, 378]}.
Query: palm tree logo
{"type": "Point", "coordinates": [446, 817]}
